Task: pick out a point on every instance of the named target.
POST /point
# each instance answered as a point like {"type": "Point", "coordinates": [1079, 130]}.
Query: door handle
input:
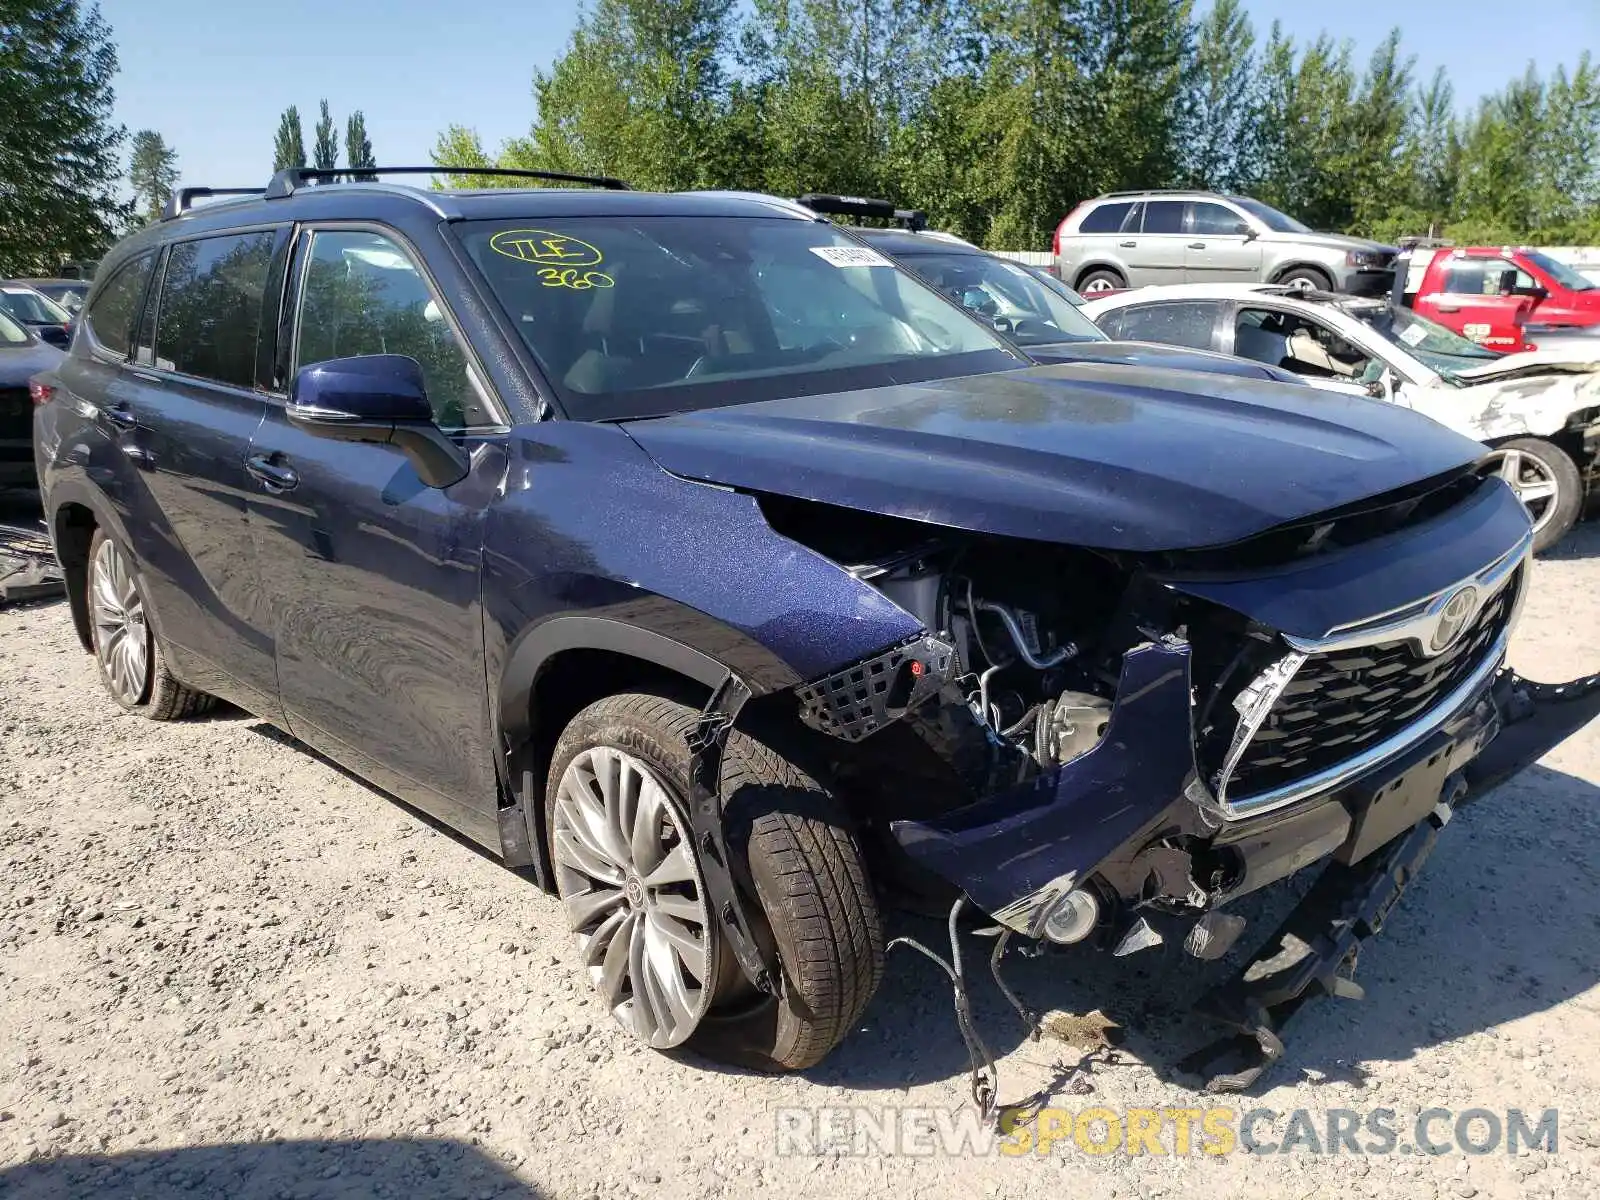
{"type": "Point", "coordinates": [1448, 307]}
{"type": "Point", "coordinates": [1127, 245]}
{"type": "Point", "coordinates": [273, 476]}
{"type": "Point", "coordinates": [1197, 245]}
{"type": "Point", "coordinates": [121, 416]}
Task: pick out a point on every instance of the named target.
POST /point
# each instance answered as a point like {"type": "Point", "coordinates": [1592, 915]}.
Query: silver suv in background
{"type": "Point", "coordinates": [1130, 239]}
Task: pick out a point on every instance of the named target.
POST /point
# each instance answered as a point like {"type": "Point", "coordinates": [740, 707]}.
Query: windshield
{"type": "Point", "coordinates": [644, 316]}
{"type": "Point", "coordinates": [11, 334]}
{"type": "Point", "coordinates": [1441, 349]}
{"type": "Point", "coordinates": [1270, 217]}
{"type": "Point", "coordinates": [30, 306]}
{"type": "Point", "coordinates": [1008, 296]}
{"type": "Point", "coordinates": [1565, 275]}
{"type": "Point", "coordinates": [1056, 286]}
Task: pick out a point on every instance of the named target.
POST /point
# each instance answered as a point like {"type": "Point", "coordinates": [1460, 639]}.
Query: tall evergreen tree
{"type": "Point", "coordinates": [60, 149]}
{"type": "Point", "coordinates": [357, 146]}
{"type": "Point", "coordinates": [289, 149]}
{"type": "Point", "coordinates": [325, 153]}
{"type": "Point", "coordinates": [152, 172]}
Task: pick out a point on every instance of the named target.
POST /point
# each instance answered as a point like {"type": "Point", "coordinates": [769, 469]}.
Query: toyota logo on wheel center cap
{"type": "Point", "coordinates": [1453, 618]}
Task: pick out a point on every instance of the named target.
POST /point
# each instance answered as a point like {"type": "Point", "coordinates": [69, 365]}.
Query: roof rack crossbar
{"type": "Point", "coordinates": [913, 219]}
{"type": "Point", "coordinates": [291, 179]}
{"type": "Point", "coordinates": [182, 200]}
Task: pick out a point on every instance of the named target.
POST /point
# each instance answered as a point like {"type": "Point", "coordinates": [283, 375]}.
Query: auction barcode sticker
{"type": "Point", "coordinates": [850, 256]}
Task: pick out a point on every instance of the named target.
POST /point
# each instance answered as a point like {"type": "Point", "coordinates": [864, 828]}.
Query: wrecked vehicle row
{"type": "Point", "coordinates": [688, 552]}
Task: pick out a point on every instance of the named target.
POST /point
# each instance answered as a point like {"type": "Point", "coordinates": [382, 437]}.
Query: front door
{"type": "Point", "coordinates": [1473, 303]}
{"type": "Point", "coordinates": [371, 577]}
{"type": "Point", "coordinates": [1218, 249]}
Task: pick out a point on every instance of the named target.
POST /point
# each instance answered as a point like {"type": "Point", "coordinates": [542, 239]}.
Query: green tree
{"type": "Point", "coordinates": [1221, 130]}
{"type": "Point", "coordinates": [289, 149]}
{"type": "Point", "coordinates": [325, 153]}
{"type": "Point", "coordinates": [152, 172]}
{"type": "Point", "coordinates": [60, 150]}
{"type": "Point", "coordinates": [357, 146]}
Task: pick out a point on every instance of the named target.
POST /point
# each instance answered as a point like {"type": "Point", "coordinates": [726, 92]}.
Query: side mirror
{"type": "Point", "coordinates": [1244, 230]}
{"type": "Point", "coordinates": [379, 399]}
{"type": "Point", "coordinates": [1534, 290]}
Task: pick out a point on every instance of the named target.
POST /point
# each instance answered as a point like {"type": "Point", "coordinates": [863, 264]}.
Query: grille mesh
{"type": "Point", "coordinates": [1343, 702]}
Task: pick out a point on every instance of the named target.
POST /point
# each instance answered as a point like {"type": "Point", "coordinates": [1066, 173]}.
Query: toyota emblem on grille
{"type": "Point", "coordinates": [1453, 618]}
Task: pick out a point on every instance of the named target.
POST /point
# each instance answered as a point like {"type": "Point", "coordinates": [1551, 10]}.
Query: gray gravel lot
{"type": "Point", "coordinates": [228, 968]}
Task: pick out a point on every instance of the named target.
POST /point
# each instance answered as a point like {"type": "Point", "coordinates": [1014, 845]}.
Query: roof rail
{"type": "Point", "coordinates": [182, 200]}
{"type": "Point", "coordinates": [291, 179]}
{"type": "Point", "coordinates": [913, 219]}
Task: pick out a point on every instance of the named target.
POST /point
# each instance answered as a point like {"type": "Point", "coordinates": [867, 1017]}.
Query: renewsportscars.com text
{"type": "Point", "coordinates": [1215, 1131]}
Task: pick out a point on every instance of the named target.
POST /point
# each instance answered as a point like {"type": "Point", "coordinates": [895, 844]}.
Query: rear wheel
{"type": "Point", "coordinates": [126, 649]}
{"type": "Point", "coordinates": [630, 881]}
{"type": "Point", "coordinates": [1547, 482]}
{"type": "Point", "coordinates": [1101, 279]}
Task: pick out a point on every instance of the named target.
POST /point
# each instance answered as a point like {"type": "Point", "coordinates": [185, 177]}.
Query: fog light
{"type": "Point", "coordinates": [1073, 918]}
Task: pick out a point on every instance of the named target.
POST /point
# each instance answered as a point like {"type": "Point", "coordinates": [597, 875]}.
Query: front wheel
{"type": "Point", "coordinates": [1306, 279]}
{"type": "Point", "coordinates": [630, 880]}
{"type": "Point", "coordinates": [1547, 481]}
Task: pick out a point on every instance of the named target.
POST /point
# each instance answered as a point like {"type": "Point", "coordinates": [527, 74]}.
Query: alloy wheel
{"type": "Point", "coordinates": [633, 893]}
{"type": "Point", "coordinates": [1532, 480]}
{"type": "Point", "coordinates": [1101, 284]}
{"type": "Point", "coordinates": [121, 637]}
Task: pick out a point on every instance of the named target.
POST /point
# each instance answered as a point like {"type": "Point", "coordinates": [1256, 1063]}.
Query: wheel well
{"type": "Point", "coordinates": [568, 683]}
{"type": "Point", "coordinates": [74, 528]}
{"type": "Point", "coordinates": [1092, 268]}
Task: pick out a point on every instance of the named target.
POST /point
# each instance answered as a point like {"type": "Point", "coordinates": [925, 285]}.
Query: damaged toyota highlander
{"type": "Point", "coordinates": [692, 556]}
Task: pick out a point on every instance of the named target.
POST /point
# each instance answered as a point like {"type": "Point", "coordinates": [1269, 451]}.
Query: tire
{"type": "Point", "coordinates": [1308, 278]}
{"type": "Point", "coordinates": [133, 667]}
{"type": "Point", "coordinates": [1101, 279]}
{"type": "Point", "coordinates": [793, 854]}
{"type": "Point", "coordinates": [1547, 481]}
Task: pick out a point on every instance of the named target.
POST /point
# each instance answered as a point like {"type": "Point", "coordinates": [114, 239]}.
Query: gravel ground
{"type": "Point", "coordinates": [228, 968]}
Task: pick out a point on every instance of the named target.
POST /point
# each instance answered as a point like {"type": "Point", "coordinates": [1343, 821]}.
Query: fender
{"type": "Point", "coordinates": [61, 493]}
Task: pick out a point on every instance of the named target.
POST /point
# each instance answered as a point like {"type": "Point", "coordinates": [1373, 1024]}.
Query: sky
{"type": "Point", "coordinates": [212, 76]}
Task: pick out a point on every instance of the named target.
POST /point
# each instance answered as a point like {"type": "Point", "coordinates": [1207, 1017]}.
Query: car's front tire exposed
{"type": "Point", "coordinates": [133, 668]}
{"type": "Point", "coordinates": [630, 881]}
{"type": "Point", "coordinates": [1548, 483]}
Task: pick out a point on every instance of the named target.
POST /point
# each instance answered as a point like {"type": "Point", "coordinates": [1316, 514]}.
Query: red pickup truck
{"type": "Point", "coordinates": [1502, 297]}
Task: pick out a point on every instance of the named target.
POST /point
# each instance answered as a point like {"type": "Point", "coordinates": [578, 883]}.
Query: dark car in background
{"type": "Point", "coordinates": [38, 312]}
{"type": "Point", "coordinates": [689, 552]}
{"type": "Point", "coordinates": [1034, 311]}
{"type": "Point", "coordinates": [22, 356]}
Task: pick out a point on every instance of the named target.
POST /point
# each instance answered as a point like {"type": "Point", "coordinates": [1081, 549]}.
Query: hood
{"type": "Point", "coordinates": [1150, 354]}
{"type": "Point", "coordinates": [1554, 360]}
{"type": "Point", "coordinates": [1333, 241]}
{"type": "Point", "coordinates": [19, 363]}
{"type": "Point", "coordinates": [1115, 457]}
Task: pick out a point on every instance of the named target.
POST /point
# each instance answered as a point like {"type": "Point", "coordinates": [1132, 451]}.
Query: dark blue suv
{"type": "Point", "coordinates": [690, 554]}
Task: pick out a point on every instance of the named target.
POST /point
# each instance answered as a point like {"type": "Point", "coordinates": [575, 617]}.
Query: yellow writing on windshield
{"type": "Point", "coordinates": [544, 247]}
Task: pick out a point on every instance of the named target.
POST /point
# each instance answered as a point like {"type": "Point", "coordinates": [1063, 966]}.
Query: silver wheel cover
{"type": "Point", "coordinates": [121, 638]}
{"type": "Point", "coordinates": [1097, 285]}
{"type": "Point", "coordinates": [628, 878]}
{"type": "Point", "coordinates": [1533, 480]}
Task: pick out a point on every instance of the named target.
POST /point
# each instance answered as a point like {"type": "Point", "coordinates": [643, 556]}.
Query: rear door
{"type": "Point", "coordinates": [1470, 301]}
{"type": "Point", "coordinates": [369, 578]}
{"type": "Point", "coordinates": [1217, 249]}
{"type": "Point", "coordinates": [1156, 254]}
{"type": "Point", "coordinates": [189, 403]}
{"type": "Point", "coordinates": [1196, 324]}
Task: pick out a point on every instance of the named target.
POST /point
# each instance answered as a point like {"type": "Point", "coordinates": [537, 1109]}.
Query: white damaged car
{"type": "Point", "coordinates": [1539, 412]}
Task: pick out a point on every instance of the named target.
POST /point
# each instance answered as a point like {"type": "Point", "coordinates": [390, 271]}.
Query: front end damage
{"type": "Point", "coordinates": [1217, 726]}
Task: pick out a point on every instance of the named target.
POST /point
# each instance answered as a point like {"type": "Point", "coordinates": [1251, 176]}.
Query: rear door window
{"type": "Point", "coordinates": [1171, 324]}
{"type": "Point", "coordinates": [1163, 216]}
{"type": "Point", "coordinates": [1107, 218]}
{"type": "Point", "coordinates": [210, 316]}
{"type": "Point", "coordinates": [110, 318]}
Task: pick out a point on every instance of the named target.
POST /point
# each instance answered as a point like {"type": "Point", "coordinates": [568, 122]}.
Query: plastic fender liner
{"type": "Point", "coordinates": [1017, 851]}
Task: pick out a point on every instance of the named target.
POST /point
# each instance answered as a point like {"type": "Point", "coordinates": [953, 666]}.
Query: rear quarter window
{"type": "Point", "coordinates": [1106, 218]}
{"type": "Point", "coordinates": [110, 318]}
